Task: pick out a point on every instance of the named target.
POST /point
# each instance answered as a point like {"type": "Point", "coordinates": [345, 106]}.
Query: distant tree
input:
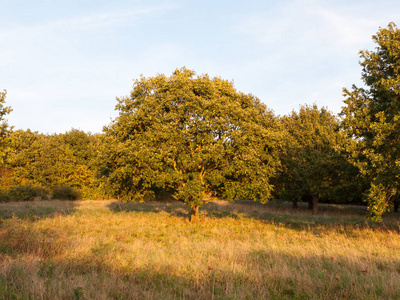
{"type": "Point", "coordinates": [23, 145]}
{"type": "Point", "coordinates": [312, 167]}
{"type": "Point", "coordinates": [4, 128]}
{"type": "Point", "coordinates": [85, 149]}
{"type": "Point", "coordinates": [194, 137]}
{"type": "Point", "coordinates": [81, 145]}
{"type": "Point", "coordinates": [372, 118]}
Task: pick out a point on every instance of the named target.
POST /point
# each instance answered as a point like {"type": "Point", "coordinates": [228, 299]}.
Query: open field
{"type": "Point", "coordinates": [110, 250]}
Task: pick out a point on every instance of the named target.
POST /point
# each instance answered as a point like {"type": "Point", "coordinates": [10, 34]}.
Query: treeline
{"type": "Point", "coordinates": [311, 167]}
{"type": "Point", "coordinates": [196, 138]}
{"type": "Point", "coordinates": [36, 164]}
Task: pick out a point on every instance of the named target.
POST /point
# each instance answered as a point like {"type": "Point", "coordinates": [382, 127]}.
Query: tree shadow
{"type": "Point", "coordinates": [138, 267]}
{"type": "Point", "coordinates": [266, 274]}
{"type": "Point", "coordinates": [331, 215]}
{"type": "Point", "coordinates": [174, 208]}
{"type": "Point", "coordinates": [37, 209]}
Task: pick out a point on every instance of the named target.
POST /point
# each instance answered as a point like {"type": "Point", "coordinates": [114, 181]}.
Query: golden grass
{"type": "Point", "coordinates": [110, 250]}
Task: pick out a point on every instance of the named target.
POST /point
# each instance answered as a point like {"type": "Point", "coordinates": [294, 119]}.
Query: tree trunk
{"type": "Point", "coordinates": [315, 204]}
{"type": "Point", "coordinates": [310, 204]}
{"type": "Point", "coordinates": [396, 206]}
{"type": "Point", "coordinates": [295, 206]}
{"type": "Point", "coordinates": [307, 198]}
{"type": "Point", "coordinates": [194, 214]}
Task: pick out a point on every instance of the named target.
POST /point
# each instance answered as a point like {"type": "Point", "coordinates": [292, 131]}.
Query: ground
{"type": "Point", "coordinates": [111, 250]}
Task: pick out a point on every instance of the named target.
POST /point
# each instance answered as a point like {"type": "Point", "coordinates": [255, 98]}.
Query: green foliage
{"type": "Point", "coordinates": [372, 118]}
{"type": "Point", "coordinates": [27, 193]}
{"type": "Point", "coordinates": [53, 160]}
{"type": "Point", "coordinates": [6, 178]}
{"type": "Point", "coordinates": [4, 128]}
{"type": "Point", "coordinates": [4, 197]}
{"type": "Point", "coordinates": [78, 292]}
{"type": "Point", "coordinates": [65, 193]}
{"type": "Point", "coordinates": [4, 110]}
{"type": "Point", "coordinates": [194, 137]}
{"type": "Point", "coordinates": [377, 201]}
{"type": "Point", "coordinates": [46, 269]}
{"type": "Point", "coordinates": [80, 144]}
{"type": "Point", "coordinates": [311, 164]}
{"type": "Point", "coordinates": [21, 193]}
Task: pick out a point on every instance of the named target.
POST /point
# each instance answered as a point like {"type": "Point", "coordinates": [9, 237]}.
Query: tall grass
{"type": "Point", "coordinates": [110, 250]}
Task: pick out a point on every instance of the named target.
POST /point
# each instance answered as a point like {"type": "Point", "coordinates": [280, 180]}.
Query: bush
{"type": "Point", "coordinates": [65, 193]}
{"type": "Point", "coordinates": [4, 197]}
{"type": "Point", "coordinates": [25, 192]}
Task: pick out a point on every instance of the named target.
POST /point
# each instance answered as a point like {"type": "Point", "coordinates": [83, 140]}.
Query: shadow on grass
{"type": "Point", "coordinates": [272, 274]}
{"type": "Point", "coordinates": [257, 276]}
{"type": "Point", "coordinates": [282, 213]}
{"type": "Point", "coordinates": [146, 269]}
{"type": "Point", "coordinates": [332, 215]}
{"type": "Point", "coordinates": [37, 209]}
{"type": "Point", "coordinates": [174, 208]}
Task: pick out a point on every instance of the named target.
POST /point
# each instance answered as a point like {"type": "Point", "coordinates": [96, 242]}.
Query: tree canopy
{"type": "Point", "coordinates": [312, 167]}
{"type": "Point", "coordinates": [372, 117]}
{"type": "Point", "coordinates": [4, 128]}
{"type": "Point", "coordinates": [50, 161]}
{"type": "Point", "coordinates": [4, 110]}
{"type": "Point", "coordinates": [194, 137]}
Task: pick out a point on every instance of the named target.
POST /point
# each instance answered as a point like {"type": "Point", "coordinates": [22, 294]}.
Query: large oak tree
{"type": "Point", "coordinates": [194, 137]}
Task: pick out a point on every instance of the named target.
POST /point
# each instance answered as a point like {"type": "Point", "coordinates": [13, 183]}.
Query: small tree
{"type": "Point", "coordinates": [195, 137]}
{"type": "Point", "coordinates": [372, 118]}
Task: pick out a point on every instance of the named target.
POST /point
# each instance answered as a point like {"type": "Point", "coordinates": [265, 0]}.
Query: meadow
{"type": "Point", "coordinates": [112, 250]}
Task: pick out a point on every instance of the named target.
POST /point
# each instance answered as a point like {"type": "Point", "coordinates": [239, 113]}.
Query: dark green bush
{"type": "Point", "coordinates": [24, 193]}
{"type": "Point", "coordinates": [65, 193]}
{"type": "Point", "coordinates": [4, 197]}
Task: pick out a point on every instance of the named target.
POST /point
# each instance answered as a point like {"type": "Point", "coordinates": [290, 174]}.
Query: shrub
{"type": "Point", "coordinates": [4, 197]}
{"type": "Point", "coordinates": [23, 193]}
{"type": "Point", "coordinates": [65, 193]}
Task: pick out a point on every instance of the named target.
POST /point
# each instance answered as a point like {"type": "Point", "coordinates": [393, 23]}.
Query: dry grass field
{"type": "Point", "coordinates": [111, 250]}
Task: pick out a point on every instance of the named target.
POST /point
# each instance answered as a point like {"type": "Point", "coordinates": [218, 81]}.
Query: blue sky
{"type": "Point", "coordinates": [64, 62]}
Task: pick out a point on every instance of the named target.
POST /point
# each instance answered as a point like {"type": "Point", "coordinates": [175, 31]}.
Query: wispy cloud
{"type": "Point", "coordinates": [116, 17]}
{"type": "Point", "coordinates": [310, 21]}
{"type": "Point", "coordinates": [73, 63]}
{"type": "Point", "coordinates": [346, 31]}
{"type": "Point", "coordinates": [307, 50]}
{"type": "Point", "coordinates": [86, 22]}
